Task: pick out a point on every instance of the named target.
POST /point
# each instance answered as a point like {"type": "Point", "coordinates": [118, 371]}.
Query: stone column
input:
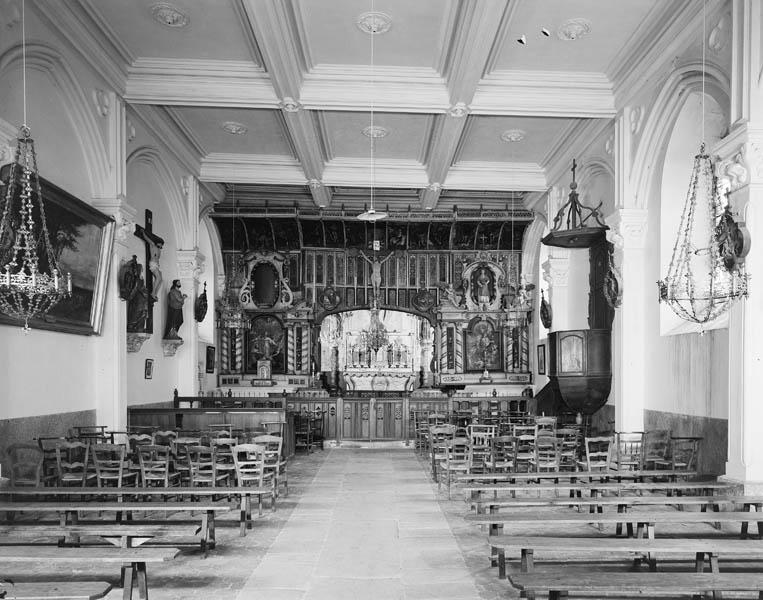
{"type": "Point", "coordinates": [629, 334]}
{"type": "Point", "coordinates": [190, 265]}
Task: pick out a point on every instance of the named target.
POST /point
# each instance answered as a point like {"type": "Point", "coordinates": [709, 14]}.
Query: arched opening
{"type": "Point", "coordinates": [383, 351]}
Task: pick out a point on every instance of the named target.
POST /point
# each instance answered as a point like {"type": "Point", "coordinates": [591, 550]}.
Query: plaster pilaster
{"type": "Point", "coordinates": [190, 265]}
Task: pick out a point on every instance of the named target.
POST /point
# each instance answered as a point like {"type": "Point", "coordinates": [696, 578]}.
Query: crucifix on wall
{"type": "Point", "coordinates": [154, 245]}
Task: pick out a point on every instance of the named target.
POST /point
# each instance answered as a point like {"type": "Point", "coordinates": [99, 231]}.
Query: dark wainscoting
{"type": "Point", "coordinates": [24, 429]}
{"type": "Point", "coordinates": [713, 449]}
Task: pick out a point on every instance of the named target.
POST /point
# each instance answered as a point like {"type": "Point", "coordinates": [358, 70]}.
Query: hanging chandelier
{"type": "Point", "coordinates": [375, 336]}
{"type": "Point", "coordinates": [232, 313]}
{"type": "Point", "coordinates": [30, 282]}
{"type": "Point", "coordinates": [702, 283]}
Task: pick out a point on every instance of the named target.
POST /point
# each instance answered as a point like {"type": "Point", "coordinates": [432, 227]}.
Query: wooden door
{"type": "Point", "coordinates": [388, 419]}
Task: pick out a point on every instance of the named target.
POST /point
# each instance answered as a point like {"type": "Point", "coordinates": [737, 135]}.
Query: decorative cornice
{"type": "Point", "coordinates": [496, 176]}
{"type": "Point", "coordinates": [191, 82]}
{"type": "Point", "coordinates": [348, 87]}
{"type": "Point", "coordinates": [124, 216]}
{"type": "Point", "coordinates": [392, 173]}
{"type": "Point", "coordinates": [545, 93]}
{"type": "Point", "coordinates": [251, 168]}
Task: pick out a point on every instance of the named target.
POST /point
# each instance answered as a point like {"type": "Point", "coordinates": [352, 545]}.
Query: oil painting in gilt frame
{"type": "Point", "coordinates": [81, 238]}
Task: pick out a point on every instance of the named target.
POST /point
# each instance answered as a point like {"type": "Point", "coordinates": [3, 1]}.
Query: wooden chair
{"type": "Point", "coordinates": [202, 467]}
{"type": "Point", "coordinates": [438, 438]}
{"type": "Point", "coordinates": [155, 467]}
{"type": "Point", "coordinates": [526, 436]}
{"type": "Point", "coordinates": [275, 463]}
{"type": "Point", "coordinates": [26, 464]}
{"type": "Point", "coordinates": [180, 455]}
{"type": "Point", "coordinates": [683, 454]}
{"type": "Point", "coordinates": [546, 425]}
{"type": "Point", "coordinates": [48, 445]}
{"type": "Point", "coordinates": [548, 449]}
{"type": "Point", "coordinates": [72, 459]}
{"type": "Point", "coordinates": [569, 437]}
{"type": "Point", "coordinates": [303, 431]}
{"type": "Point", "coordinates": [628, 454]}
{"type": "Point", "coordinates": [480, 437]}
{"type": "Point", "coordinates": [164, 438]}
{"type": "Point", "coordinates": [503, 454]}
{"type": "Point", "coordinates": [598, 454]}
{"type": "Point", "coordinates": [112, 467]}
{"type": "Point", "coordinates": [656, 447]}
{"type": "Point", "coordinates": [456, 461]}
{"type": "Point", "coordinates": [224, 456]}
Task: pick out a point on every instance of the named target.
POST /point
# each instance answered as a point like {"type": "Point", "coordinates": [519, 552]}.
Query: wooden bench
{"type": "Point", "coordinates": [677, 487]}
{"type": "Point", "coordinates": [645, 521]}
{"type": "Point", "coordinates": [68, 512]}
{"type": "Point", "coordinates": [57, 590]}
{"type": "Point", "coordinates": [243, 495]}
{"type": "Point", "coordinates": [712, 548]}
{"type": "Point", "coordinates": [559, 584]}
{"type": "Point", "coordinates": [134, 560]}
{"type": "Point", "coordinates": [670, 474]}
{"type": "Point", "coordinates": [121, 535]}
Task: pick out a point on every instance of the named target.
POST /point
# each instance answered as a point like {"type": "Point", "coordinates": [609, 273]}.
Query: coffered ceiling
{"type": "Point", "coordinates": [277, 96]}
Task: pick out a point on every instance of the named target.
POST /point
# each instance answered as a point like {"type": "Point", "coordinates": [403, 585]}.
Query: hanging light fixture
{"type": "Point", "coordinates": [232, 314]}
{"type": "Point", "coordinates": [30, 283]}
{"type": "Point", "coordinates": [372, 215]}
{"type": "Point", "coordinates": [702, 283]}
{"type": "Point", "coordinates": [375, 336]}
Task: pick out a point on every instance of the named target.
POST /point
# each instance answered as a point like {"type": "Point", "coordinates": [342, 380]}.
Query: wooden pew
{"type": "Point", "coordinates": [621, 502]}
{"type": "Point", "coordinates": [559, 584]}
{"type": "Point", "coordinates": [712, 548]}
{"type": "Point", "coordinates": [677, 487]}
{"type": "Point", "coordinates": [68, 512]}
{"type": "Point", "coordinates": [120, 535]}
{"type": "Point", "coordinates": [133, 559]}
{"type": "Point", "coordinates": [670, 474]}
{"type": "Point", "coordinates": [646, 521]}
{"type": "Point", "coordinates": [243, 495]}
{"type": "Point", "coordinates": [57, 590]}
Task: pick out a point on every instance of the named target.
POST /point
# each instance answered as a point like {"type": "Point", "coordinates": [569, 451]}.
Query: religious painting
{"type": "Point", "coordinates": [541, 359]}
{"type": "Point", "coordinates": [260, 234]}
{"type": "Point", "coordinates": [210, 359]}
{"type": "Point", "coordinates": [571, 354]}
{"type": "Point", "coordinates": [334, 234]}
{"type": "Point", "coordinates": [482, 346]}
{"type": "Point", "coordinates": [286, 233]}
{"type": "Point", "coordinates": [439, 236]}
{"type": "Point", "coordinates": [81, 238]}
{"type": "Point", "coordinates": [312, 234]}
{"type": "Point", "coordinates": [397, 236]}
{"type": "Point", "coordinates": [266, 341]}
{"type": "Point", "coordinates": [266, 285]}
{"type": "Point", "coordinates": [482, 285]}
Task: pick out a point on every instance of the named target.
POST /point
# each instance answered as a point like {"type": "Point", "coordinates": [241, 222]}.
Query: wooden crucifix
{"type": "Point", "coordinates": [154, 246]}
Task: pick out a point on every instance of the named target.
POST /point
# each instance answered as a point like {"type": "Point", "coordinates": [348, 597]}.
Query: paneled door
{"type": "Point", "coordinates": [388, 421]}
{"type": "Point", "coordinates": [356, 419]}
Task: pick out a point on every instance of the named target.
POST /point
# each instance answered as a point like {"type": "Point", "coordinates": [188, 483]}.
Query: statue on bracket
{"type": "Point", "coordinates": [175, 301]}
{"type": "Point", "coordinates": [132, 288]}
{"type": "Point", "coordinates": [483, 285]}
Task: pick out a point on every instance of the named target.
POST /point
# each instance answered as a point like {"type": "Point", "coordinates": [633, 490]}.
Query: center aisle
{"type": "Point", "coordinates": [368, 526]}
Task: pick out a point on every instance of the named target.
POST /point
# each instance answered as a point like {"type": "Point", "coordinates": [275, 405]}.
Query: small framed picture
{"type": "Point", "coordinates": [541, 359]}
{"type": "Point", "coordinates": [210, 359]}
{"type": "Point", "coordinates": [148, 372]}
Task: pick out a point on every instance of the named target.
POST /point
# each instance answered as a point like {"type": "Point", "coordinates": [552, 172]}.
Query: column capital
{"type": "Point", "coordinates": [190, 264]}
{"type": "Point", "coordinates": [124, 215]}
{"type": "Point", "coordinates": [556, 268]}
{"type": "Point", "coordinates": [630, 226]}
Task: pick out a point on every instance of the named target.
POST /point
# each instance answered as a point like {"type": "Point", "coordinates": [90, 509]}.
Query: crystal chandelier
{"type": "Point", "coordinates": [375, 336]}
{"type": "Point", "coordinates": [232, 314]}
{"type": "Point", "coordinates": [26, 289]}
{"type": "Point", "coordinates": [700, 284]}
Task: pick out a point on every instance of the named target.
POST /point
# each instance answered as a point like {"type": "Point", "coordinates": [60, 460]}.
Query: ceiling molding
{"type": "Point", "coordinates": [391, 173]}
{"type": "Point", "coordinates": [446, 137]}
{"type": "Point", "coordinates": [471, 44]}
{"type": "Point", "coordinates": [181, 124]}
{"type": "Point", "coordinates": [275, 27]}
{"type": "Point", "coordinates": [251, 168]}
{"type": "Point", "coordinates": [574, 144]}
{"type": "Point", "coordinates": [304, 130]}
{"type": "Point", "coordinates": [426, 142]}
{"type": "Point", "coordinates": [349, 87]}
{"type": "Point", "coordinates": [449, 25]}
{"type": "Point", "coordinates": [545, 93]}
{"type": "Point", "coordinates": [485, 175]}
{"type": "Point", "coordinates": [664, 34]}
{"type": "Point", "coordinates": [246, 30]}
{"type": "Point", "coordinates": [503, 35]}
{"type": "Point", "coordinates": [166, 133]}
{"type": "Point", "coordinates": [191, 82]}
{"type": "Point", "coordinates": [88, 34]}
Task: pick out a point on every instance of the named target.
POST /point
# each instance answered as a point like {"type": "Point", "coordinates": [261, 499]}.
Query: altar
{"type": "Point", "coordinates": [388, 380]}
